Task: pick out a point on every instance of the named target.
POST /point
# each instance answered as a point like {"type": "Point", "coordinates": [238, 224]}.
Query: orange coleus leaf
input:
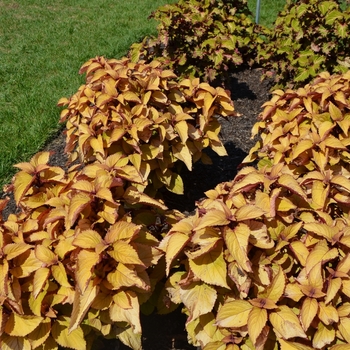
{"type": "Point", "coordinates": [78, 203]}
{"type": "Point", "coordinates": [237, 244]}
{"type": "Point", "coordinates": [322, 230]}
{"type": "Point", "coordinates": [285, 323]}
{"type": "Point", "coordinates": [40, 278]}
{"type": "Point", "coordinates": [199, 298]}
{"type": "Point", "coordinates": [128, 314]}
{"type": "Point", "coordinates": [15, 249]}
{"type": "Point", "coordinates": [86, 261]}
{"type": "Point", "coordinates": [288, 345]}
{"type": "Point", "coordinates": [60, 332]}
{"type": "Point", "coordinates": [45, 255]}
{"type": "Point", "coordinates": [22, 182]}
{"type": "Point", "coordinates": [122, 230]}
{"type": "Point", "coordinates": [308, 312]}
{"type": "Point", "coordinates": [256, 322]}
{"type": "Point", "coordinates": [214, 217]}
{"type": "Point", "coordinates": [60, 275]}
{"type": "Point", "coordinates": [324, 335]}
{"type": "Point", "coordinates": [125, 253]}
{"type": "Point", "coordinates": [275, 289]}
{"type": "Point", "coordinates": [328, 314]}
{"type": "Point", "coordinates": [81, 304]}
{"type": "Point", "coordinates": [289, 182]}
{"type": "Point", "coordinates": [234, 314]}
{"type": "Point", "coordinates": [248, 212]}
{"type": "Point", "coordinates": [40, 334]}
{"type": "Point", "coordinates": [88, 239]}
{"type": "Point", "coordinates": [211, 267]}
{"type": "Point", "coordinates": [126, 276]}
{"type": "Point", "coordinates": [21, 325]}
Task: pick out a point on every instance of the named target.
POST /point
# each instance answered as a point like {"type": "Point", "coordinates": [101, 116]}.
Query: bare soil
{"type": "Point", "coordinates": [167, 332]}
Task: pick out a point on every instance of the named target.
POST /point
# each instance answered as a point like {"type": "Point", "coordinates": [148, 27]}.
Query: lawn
{"type": "Point", "coordinates": [42, 46]}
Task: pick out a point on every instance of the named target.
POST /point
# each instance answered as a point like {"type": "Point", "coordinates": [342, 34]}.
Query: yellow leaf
{"type": "Point", "coordinates": [275, 289]}
{"type": "Point", "coordinates": [182, 153]}
{"type": "Point", "coordinates": [40, 334]}
{"type": "Point", "coordinates": [125, 253]}
{"type": "Point", "coordinates": [40, 278]}
{"type": "Point", "coordinates": [287, 345]}
{"type": "Point", "coordinates": [81, 305]}
{"type": "Point", "coordinates": [248, 212]}
{"type": "Point", "coordinates": [182, 129]}
{"type": "Point", "coordinates": [131, 315]}
{"type": "Point", "coordinates": [199, 298]}
{"type": "Point", "coordinates": [328, 314]}
{"type": "Point", "coordinates": [323, 336]}
{"type": "Point", "coordinates": [176, 242]}
{"type": "Point", "coordinates": [334, 285]}
{"type": "Point", "coordinates": [344, 328]}
{"type": "Point", "coordinates": [285, 323]}
{"type": "Point", "coordinates": [308, 312]}
{"type": "Point", "coordinates": [126, 276]}
{"type": "Point", "coordinates": [301, 147]}
{"type": "Point", "coordinates": [59, 274]}
{"type": "Point", "coordinates": [256, 322]}
{"type": "Point", "coordinates": [14, 343]}
{"type": "Point", "coordinates": [13, 250]}
{"type": "Point", "coordinates": [237, 244]}
{"type": "Point", "coordinates": [73, 340]}
{"type": "Point", "coordinates": [211, 267]}
{"type": "Point", "coordinates": [130, 338]}
{"type": "Point", "coordinates": [234, 314]}
{"type": "Point", "coordinates": [87, 239]}
{"type": "Point", "coordinates": [84, 271]}
{"type": "Point", "coordinates": [77, 205]}
{"type": "Point", "coordinates": [300, 251]}
{"type": "Point", "coordinates": [335, 112]}
{"type": "Point", "coordinates": [45, 255]}
{"type": "Point", "coordinates": [292, 185]}
{"type": "Point", "coordinates": [211, 218]}
{"type": "Point", "coordinates": [121, 230]}
{"type": "Point", "coordinates": [320, 253]}
{"type": "Point", "coordinates": [26, 264]}
{"type": "Point", "coordinates": [21, 325]}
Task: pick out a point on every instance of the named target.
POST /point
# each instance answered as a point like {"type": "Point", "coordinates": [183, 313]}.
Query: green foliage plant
{"type": "Point", "coordinates": [308, 37]}
{"type": "Point", "coordinates": [202, 38]}
{"type": "Point", "coordinates": [264, 262]}
{"type": "Point", "coordinates": [79, 258]}
{"type": "Point", "coordinates": [145, 114]}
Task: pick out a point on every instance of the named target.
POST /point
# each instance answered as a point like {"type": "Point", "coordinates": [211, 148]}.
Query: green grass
{"type": "Point", "coordinates": [268, 10]}
{"type": "Point", "coordinates": [42, 46]}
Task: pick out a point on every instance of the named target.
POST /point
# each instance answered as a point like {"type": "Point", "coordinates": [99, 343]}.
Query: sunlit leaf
{"type": "Point", "coordinates": [256, 322]}
{"type": "Point", "coordinates": [308, 312]}
{"type": "Point", "coordinates": [21, 325]}
{"type": "Point", "coordinates": [234, 314]}
{"type": "Point", "coordinates": [323, 336]}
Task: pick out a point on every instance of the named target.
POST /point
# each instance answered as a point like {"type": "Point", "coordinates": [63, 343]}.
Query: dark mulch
{"type": "Point", "coordinates": [248, 93]}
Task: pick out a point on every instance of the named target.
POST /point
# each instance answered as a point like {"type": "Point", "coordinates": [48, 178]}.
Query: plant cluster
{"type": "Point", "coordinates": [81, 255]}
{"type": "Point", "coordinates": [264, 262]}
{"type": "Point", "coordinates": [202, 38]}
{"type": "Point", "coordinates": [308, 37]}
{"type": "Point", "coordinates": [147, 116]}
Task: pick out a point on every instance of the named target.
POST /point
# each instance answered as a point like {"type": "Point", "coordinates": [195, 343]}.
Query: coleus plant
{"type": "Point", "coordinates": [308, 37]}
{"type": "Point", "coordinates": [79, 258]}
{"type": "Point", "coordinates": [264, 263]}
{"type": "Point", "coordinates": [147, 116]}
{"type": "Point", "coordinates": [203, 38]}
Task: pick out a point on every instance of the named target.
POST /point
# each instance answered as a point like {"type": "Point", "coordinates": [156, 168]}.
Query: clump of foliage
{"type": "Point", "coordinates": [308, 37]}
{"type": "Point", "coordinates": [147, 116]}
{"type": "Point", "coordinates": [264, 263]}
{"type": "Point", "coordinates": [79, 259]}
{"type": "Point", "coordinates": [202, 38]}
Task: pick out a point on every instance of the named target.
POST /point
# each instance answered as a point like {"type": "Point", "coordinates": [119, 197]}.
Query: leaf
{"type": "Point", "coordinates": [87, 239]}
{"type": "Point", "coordinates": [328, 314]}
{"type": "Point", "coordinates": [73, 340]}
{"type": "Point", "coordinates": [234, 314]}
{"type": "Point", "coordinates": [77, 204]}
{"type": "Point", "coordinates": [344, 328]}
{"type": "Point", "coordinates": [333, 288]}
{"type": "Point", "coordinates": [40, 333]}
{"type": "Point", "coordinates": [126, 276]}
{"type": "Point", "coordinates": [182, 129]}
{"type": "Point", "coordinates": [21, 325]}
{"type": "Point", "coordinates": [287, 345]}
{"type": "Point", "coordinates": [256, 322]}
{"type": "Point", "coordinates": [248, 212]}
{"type": "Point", "coordinates": [86, 261]}
{"type": "Point", "coordinates": [324, 335]}
{"type": "Point", "coordinates": [14, 343]}
{"type": "Point", "coordinates": [285, 323]}
{"type": "Point", "coordinates": [121, 230]}
{"type": "Point", "coordinates": [275, 289]}
{"type": "Point", "coordinates": [45, 255]}
{"type": "Point", "coordinates": [237, 244]}
{"type": "Point", "coordinates": [176, 242]}
{"type": "Point", "coordinates": [182, 152]}
{"type": "Point", "coordinates": [130, 339]}
{"type": "Point", "coordinates": [123, 252]}
{"type": "Point", "coordinates": [211, 267]}
{"type": "Point", "coordinates": [308, 312]}
{"type": "Point", "coordinates": [199, 298]}
{"type": "Point", "coordinates": [211, 218]}
{"type": "Point", "coordinates": [22, 183]}
{"type": "Point", "coordinates": [291, 184]}
{"type": "Point", "coordinates": [81, 305]}
{"type": "Point", "coordinates": [131, 315]}
{"type": "Point", "coordinates": [40, 278]}
{"type": "Point", "coordinates": [13, 250]}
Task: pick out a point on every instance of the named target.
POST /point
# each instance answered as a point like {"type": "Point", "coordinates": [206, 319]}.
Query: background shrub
{"type": "Point", "coordinates": [203, 38]}
{"type": "Point", "coordinates": [308, 37]}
